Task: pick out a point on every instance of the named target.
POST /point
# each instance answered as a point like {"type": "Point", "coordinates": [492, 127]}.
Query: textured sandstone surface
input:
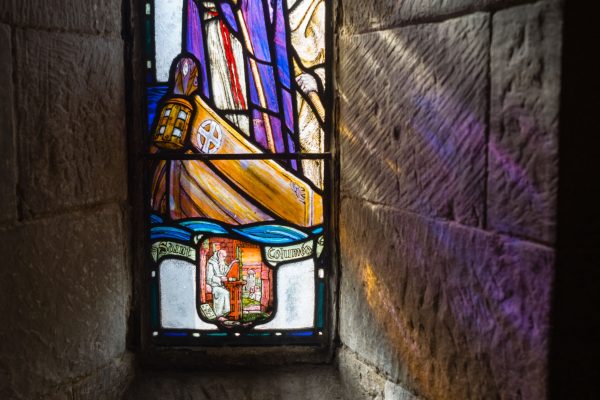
{"type": "Point", "coordinates": [363, 381]}
{"type": "Point", "coordinates": [523, 150]}
{"type": "Point", "coordinates": [360, 16]}
{"type": "Point", "coordinates": [412, 117]}
{"type": "Point", "coordinates": [286, 383]}
{"type": "Point", "coordinates": [64, 270]}
{"type": "Point", "coordinates": [71, 125]}
{"type": "Point", "coordinates": [90, 16]}
{"type": "Point", "coordinates": [448, 145]}
{"type": "Point", "coordinates": [8, 193]}
{"type": "Point", "coordinates": [449, 311]}
{"type": "Point", "coordinates": [107, 382]}
{"type": "Point", "coordinates": [64, 301]}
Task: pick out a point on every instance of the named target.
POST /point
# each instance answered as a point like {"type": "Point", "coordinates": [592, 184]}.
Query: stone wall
{"type": "Point", "coordinates": [309, 382]}
{"type": "Point", "coordinates": [448, 144]}
{"type": "Point", "coordinates": [64, 275]}
{"type": "Point", "coordinates": [448, 128]}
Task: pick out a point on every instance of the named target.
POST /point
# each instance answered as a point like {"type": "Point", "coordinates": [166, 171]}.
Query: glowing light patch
{"type": "Point", "coordinates": [167, 28]}
{"type": "Point", "coordinates": [178, 296]}
{"type": "Point", "coordinates": [296, 294]}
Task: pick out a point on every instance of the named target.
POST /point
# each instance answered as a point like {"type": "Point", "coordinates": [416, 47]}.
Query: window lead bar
{"type": "Point", "coordinates": [250, 156]}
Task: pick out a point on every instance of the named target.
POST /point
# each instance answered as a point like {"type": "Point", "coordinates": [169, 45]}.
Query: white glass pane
{"type": "Point", "coordinates": [241, 121]}
{"type": "Point", "coordinates": [168, 16]}
{"type": "Point", "coordinates": [295, 296]}
{"type": "Point", "coordinates": [178, 296]}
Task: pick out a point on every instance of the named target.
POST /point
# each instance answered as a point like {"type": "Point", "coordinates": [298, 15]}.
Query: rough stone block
{"type": "Point", "coordinates": [446, 310]}
{"type": "Point", "coordinates": [393, 391]}
{"type": "Point", "coordinates": [360, 16]}
{"type": "Point", "coordinates": [361, 381]}
{"type": "Point", "coordinates": [90, 16]}
{"type": "Point", "coordinates": [523, 149]}
{"type": "Point", "coordinates": [412, 117]}
{"type": "Point", "coordinates": [71, 112]}
{"type": "Point", "coordinates": [8, 193]}
{"type": "Point", "coordinates": [64, 293]}
{"type": "Point", "coordinates": [63, 392]}
{"type": "Point", "coordinates": [107, 383]}
{"type": "Point", "coordinates": [285, 383]}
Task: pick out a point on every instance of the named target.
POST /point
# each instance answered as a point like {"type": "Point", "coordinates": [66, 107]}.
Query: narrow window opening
{"type": "Point", "coordinates": [238, 168]}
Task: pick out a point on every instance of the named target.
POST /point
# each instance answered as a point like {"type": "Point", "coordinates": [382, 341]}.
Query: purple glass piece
{"type": "Point", "coordinates": [252, 89]}
{"type": "Point", "coordinates": [281, 46]}
{"type": "Point", "coordinates": [195, 43]}
{"type": "Point", "coordinates": [268, 86]}
{"type": "Point", "coordinates": [225, 9]}
{"type": "Point", "coordinates": [292, 149]}
{"type": "Point", "coordinates": [259, 129]}
{"type": "Point", "coordinates": [288, 109]}
{"type": "Point", "coordinates": [291, 144]}
{"type": "Point", "coordinates": [283, 70]}
{"type": "Point", "coordinates": [254, 15]}
{"type": "Point", "coordinates": [277, 135]}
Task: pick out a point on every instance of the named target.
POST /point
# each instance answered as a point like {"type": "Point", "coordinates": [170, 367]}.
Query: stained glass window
{"type": "Point", "coordinates": [237, 170]}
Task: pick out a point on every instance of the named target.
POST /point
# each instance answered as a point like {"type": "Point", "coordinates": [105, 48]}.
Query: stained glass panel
{"type": "Point", "coordinates": [237, 170]}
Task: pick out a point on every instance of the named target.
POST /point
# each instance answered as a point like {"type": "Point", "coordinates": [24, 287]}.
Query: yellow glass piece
{"type": "Point", "coordinates": [173, 124]}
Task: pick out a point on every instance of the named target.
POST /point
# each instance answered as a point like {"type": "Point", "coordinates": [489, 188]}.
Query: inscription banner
{"type": "Point", "coordinates": [275, 255]}
{"type": "Point", "coordinates": [166, 248]}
